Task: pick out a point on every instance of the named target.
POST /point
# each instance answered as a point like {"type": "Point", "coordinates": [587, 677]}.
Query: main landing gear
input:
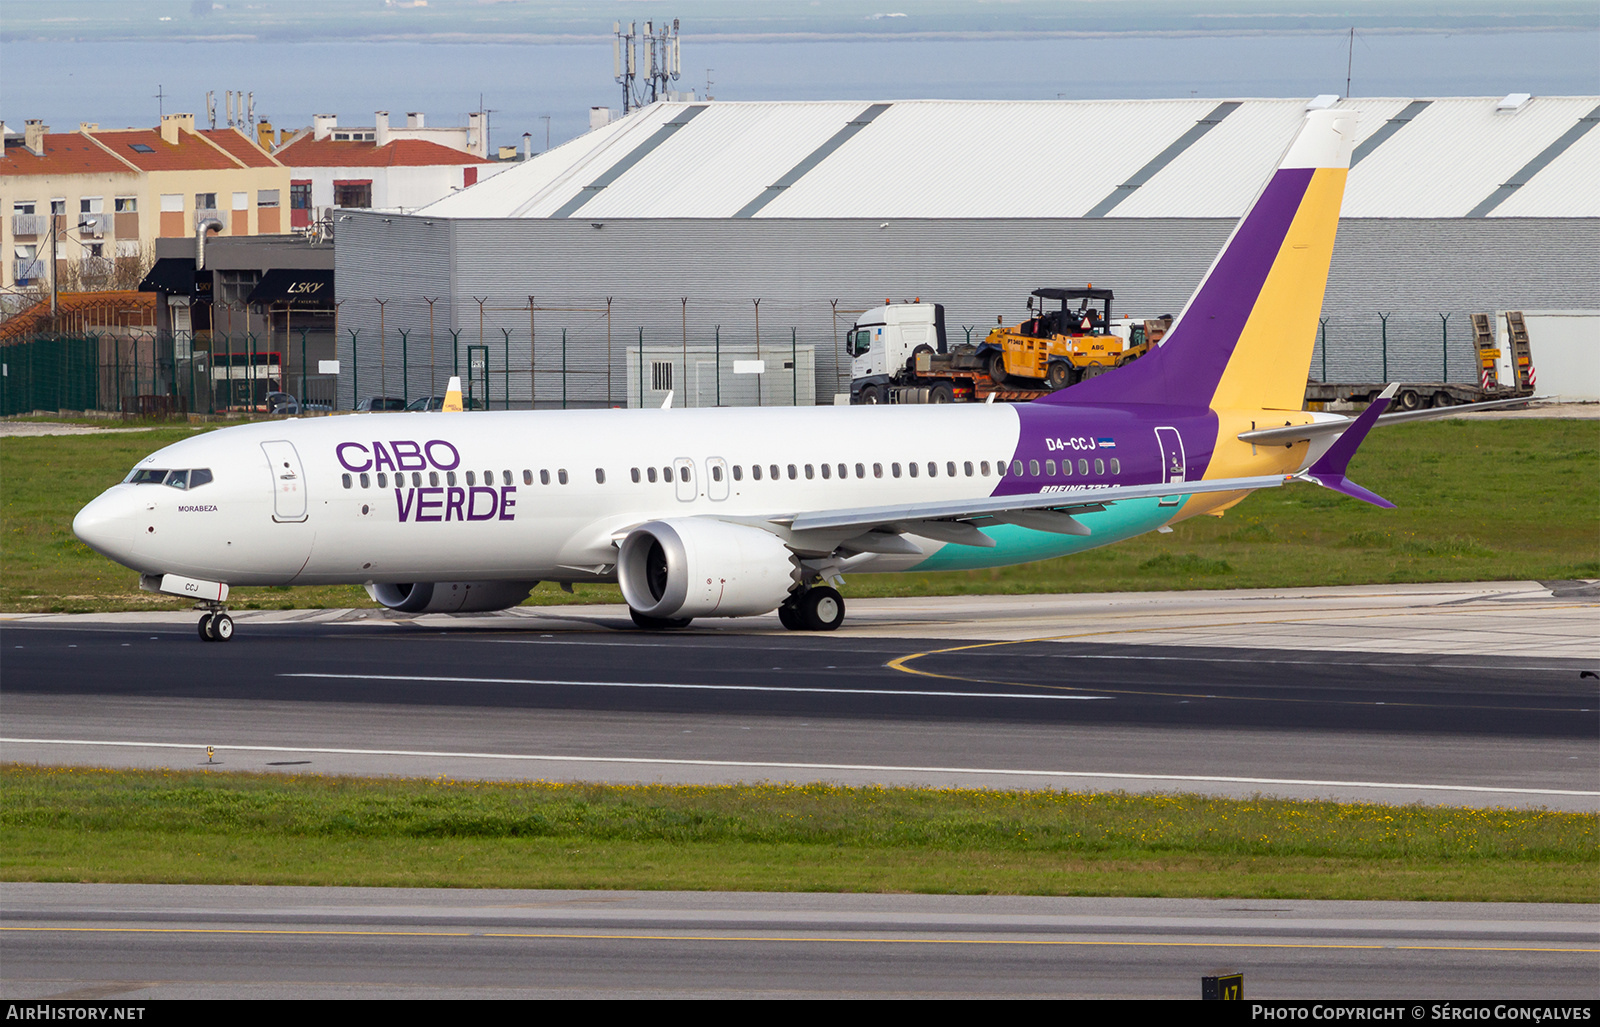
{"type": "Point", "coordinates": [815, 609]}
{"type": "Point", "coordinates": [215, 624]}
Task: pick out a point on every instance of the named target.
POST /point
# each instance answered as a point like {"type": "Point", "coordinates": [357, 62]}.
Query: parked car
{"type": "Point", "coordinates": [437, 403]}
{"type": "Point", "coordinates": [284, 404]}
{"type": "Point", "coordinates": [378, 404]}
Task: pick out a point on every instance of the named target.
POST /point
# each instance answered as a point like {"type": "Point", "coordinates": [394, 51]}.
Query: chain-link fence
{"type": "Point", "coordinates": [1395, 347]}
{"type": "Point", "coordinates": [568, 355]}
{"type": "Point", "coordinates": [159, 374]}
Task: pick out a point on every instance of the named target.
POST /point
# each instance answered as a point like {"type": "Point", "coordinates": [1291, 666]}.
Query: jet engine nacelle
{"type": "Point", "coordinates": [694, 567]}
{"type": "Point", "coordinates": [451, 596]}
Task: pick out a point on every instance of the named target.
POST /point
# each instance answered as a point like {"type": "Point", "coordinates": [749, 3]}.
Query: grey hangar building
{"type": "Point", "coordinates": [658, 252]}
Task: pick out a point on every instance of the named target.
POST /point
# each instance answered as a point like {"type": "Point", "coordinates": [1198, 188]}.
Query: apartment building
{"type": "Point", "coordinates": [100, 198]}
{"type": "Point", "coordinates": [381, 166]}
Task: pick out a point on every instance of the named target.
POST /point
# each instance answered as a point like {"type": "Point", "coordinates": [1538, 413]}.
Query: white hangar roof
{"type": "Point", "coordinates": [1516, 156]}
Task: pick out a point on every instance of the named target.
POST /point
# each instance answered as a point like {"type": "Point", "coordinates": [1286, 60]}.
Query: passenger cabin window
{"type": "Point", "coordinates": [877, 470]}
{"type": "Point", "coordinates": [650, 474]}
{"type": "Point", "coordinates": [346, 479]}
{"type": "Point", "coordinates": [809, 472]}
{"type": "Point", "coordinates": [1099, 466]}
{"type": "Point", "coordinates": [827, 470]}
{"type": "Point", "coordinates": [433, 478]}
{"type": "Point", "coordinates": [471, 479]}
{"type": "Point", "coordinates": [792, 474]}
{"type": "Point", "coordinates": [1050, 468]}
{"type": "Point", "coordinates": [544, 477]}
{"type": "Point", "coordinates": [383, 480]}
{"type": "Point", "coordinates": [450, 478]}
{"type": "Point", "coordinates": [1033, 468]}
{"type": "Point", "coordinates": [773, 468]}
{"type": "Point", "coordinates": [844, 470]}
{"type": "Point", "coordinates": [1016, 467]}
{"type": "Point", "coordinates": [1116, 466]}
{"type": "Point", "coordinates": [1083, 465]}
{"type": "Point", "coordinates": [738, 473]}
{"type": "Point", "coordinates": [716, 472]}
{"type": "Point", "coordinates": [634, 474]}
{"type": "Point", "coordinates": [912, 468]}
{"type": "Point", "coordinates": [505, 477]}
{"type": "Point", "coordinates": [755, 472]}
{"type": "Point", "coordinates": [527, 477]}
{"type": "Point", "coordinates": [861, 470]}
{"type": "Point", "coordinates": [599, 476]}
{"type": "Point", "coordinates": [967, 467]}
{"type": "Point", "coordinates": [984, 466]}
{"type": "Point", "coordinates": [561, 475]}
{"type": "Point", "coordinates": [365, 481]}
{"type": "Point", "coordinates": [683, 473]}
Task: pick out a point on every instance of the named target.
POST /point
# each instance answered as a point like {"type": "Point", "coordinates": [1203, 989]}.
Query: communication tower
{"type": "Point", "coordinates": [644, 63]}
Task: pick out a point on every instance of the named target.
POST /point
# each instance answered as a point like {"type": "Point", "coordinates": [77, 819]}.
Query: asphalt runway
{"type": "Point", "coordinates": [124, 943]}
{"type": "Point", "coordinates": [578, 695]}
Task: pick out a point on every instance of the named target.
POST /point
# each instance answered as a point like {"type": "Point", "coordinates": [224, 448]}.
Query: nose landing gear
{"type": "Point", "coordinates": [215, 624]}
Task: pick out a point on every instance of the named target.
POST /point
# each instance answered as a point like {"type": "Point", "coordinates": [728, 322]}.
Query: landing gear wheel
{"type": "Point", "coordinates": [650, 623]}
{"type": "Point", "coordinates": [222, 627]}
{"type": "Point", "coordinates": [871, 395]}
{"type": "Point", "coordinates": [789, 616]}
{"type": "Point", "coordinates": [205, 628]}
{"type": "Point", "coordinates": [821, 609]}
{"type": "Point", "coordinates": [1059, 376]}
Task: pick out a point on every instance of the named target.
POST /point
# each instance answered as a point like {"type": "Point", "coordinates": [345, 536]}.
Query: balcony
{"type": "Point", "coordinates": [94, 226]}
{"type": "Point", "coordinates": [29, 270]}
{"type": "Point", "coordinates": [30, 224]}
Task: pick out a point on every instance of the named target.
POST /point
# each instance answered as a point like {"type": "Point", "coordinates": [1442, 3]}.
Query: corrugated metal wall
{"type": "Point", "coordinates": [593, 286]}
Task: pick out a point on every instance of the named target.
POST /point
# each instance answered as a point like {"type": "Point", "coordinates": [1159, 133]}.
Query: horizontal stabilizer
{"type": "Point", "coordinates": [1329, 470]}
{"type": "Point", "coordinates": [1304, 432]}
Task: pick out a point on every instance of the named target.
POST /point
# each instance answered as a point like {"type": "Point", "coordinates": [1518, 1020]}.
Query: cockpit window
{"type": "Point", "coordinates": [184, 479]}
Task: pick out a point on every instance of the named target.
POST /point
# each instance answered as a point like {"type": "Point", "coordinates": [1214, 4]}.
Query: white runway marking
{"type": "Point", "coordinates": [709, 688]}
{"type": "Point", "coordinates": [766, 765]}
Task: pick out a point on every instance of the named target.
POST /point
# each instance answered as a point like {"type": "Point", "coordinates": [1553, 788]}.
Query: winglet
{"type": "Point", "coordinates": [1329, 470]}
{"type": "Point", "coordinates": [452, 396]}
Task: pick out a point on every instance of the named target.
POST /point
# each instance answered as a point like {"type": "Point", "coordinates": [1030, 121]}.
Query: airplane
{"type": "Point", "coordinates": [735, 512]}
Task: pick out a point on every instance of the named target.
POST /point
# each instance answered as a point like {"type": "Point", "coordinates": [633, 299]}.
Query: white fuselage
{"type": "Point", "coordinates": [278, 509]}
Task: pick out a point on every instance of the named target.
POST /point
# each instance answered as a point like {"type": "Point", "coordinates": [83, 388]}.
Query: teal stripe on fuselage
{"type": "Point", "coordinates": [1016, 544]}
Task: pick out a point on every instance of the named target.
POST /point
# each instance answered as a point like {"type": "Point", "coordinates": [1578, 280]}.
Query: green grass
{"type": "Point", "coordinates": [1478, 501]}
{"type": "Point", "coordinates": [76, 824]}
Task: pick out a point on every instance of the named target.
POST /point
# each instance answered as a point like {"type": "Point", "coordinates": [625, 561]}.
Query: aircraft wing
{"type": "Point", "coordinates": [1304, 432]}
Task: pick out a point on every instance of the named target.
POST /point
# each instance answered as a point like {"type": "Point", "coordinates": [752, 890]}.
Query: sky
{"type": "Point", "coordinates": [538, 68]}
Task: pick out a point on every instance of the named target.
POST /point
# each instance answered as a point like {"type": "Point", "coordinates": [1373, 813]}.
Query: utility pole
{"type": "Point", "coordinates": [1350, 61]}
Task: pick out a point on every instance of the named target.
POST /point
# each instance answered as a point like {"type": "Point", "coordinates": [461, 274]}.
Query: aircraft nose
{"type": "Point", "coordinates": [106, 525]}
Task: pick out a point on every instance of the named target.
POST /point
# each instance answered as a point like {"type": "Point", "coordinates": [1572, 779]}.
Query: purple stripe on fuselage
{"type": "Point", "coordinates": [1060, 433]}
{"type": "Point", "coordinates": [1189, 363]}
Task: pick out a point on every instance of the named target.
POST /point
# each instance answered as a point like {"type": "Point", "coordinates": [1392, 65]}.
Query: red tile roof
{"type": "Point", "coordinates": [65, 153]}
{"type": "Point", "coordinates": [308, 152]}
{"type": "Point", "coordinates": [190, 154]}
{"type": "Point", "coordinates": [244, 149]}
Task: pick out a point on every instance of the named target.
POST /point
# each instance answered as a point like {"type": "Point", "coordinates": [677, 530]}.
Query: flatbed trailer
{"type": "Point", "coordinates": [1412, 395]}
